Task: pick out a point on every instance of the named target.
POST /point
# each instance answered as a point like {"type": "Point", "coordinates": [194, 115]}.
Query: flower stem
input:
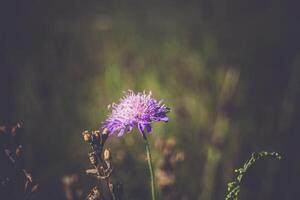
{"type": "Point", "coordinates": [150, 166]}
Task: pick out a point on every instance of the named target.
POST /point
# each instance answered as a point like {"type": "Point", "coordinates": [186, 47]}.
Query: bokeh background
{"type": "Point", "coordinates": [229, 71]}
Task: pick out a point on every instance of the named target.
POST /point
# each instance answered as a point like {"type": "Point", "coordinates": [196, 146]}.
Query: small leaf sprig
{"type": "Point", "coordinates": [234, 187]}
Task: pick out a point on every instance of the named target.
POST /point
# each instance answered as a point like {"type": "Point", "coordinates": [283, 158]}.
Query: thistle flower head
{"type": "Point", "coordinates": [135, 110]}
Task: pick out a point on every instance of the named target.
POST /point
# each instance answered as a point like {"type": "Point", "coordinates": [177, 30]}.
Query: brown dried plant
{"type": "Point", "coordinates": [102, 168]}
{"type": "Point", "coordinates": [15, 181]}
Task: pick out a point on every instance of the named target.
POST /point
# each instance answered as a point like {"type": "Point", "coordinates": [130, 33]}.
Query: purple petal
{"type": "Point", "coordinates": [164, 119]}
{"type": "Point", "coordinates": [141, 128]}
{"type": "Point", "coordinates": [149, 128]}
{"type": "Point", "coordinates": [130, 128]}
{"type": "Point", "coordinates": [121, 132]}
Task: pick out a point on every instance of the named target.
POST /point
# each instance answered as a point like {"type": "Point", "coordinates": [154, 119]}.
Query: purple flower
{"type": "Point", "coordinates": [138, 110]}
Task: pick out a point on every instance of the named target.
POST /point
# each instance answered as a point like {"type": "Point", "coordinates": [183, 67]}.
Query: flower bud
{"type": "Point", "coordinates": [107, 155]}
{"type": "Point", "coordinates": [104, 135]}
{"type": "Point", "coordinates": [96, 135]}
{"type": "Point", "coordinates": [87, 136]}
{"type": "Point", "coordinates": [105, 131]}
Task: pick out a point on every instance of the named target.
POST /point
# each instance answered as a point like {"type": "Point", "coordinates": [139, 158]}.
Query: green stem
{"type": "Point", "coordinates": [150, 166]}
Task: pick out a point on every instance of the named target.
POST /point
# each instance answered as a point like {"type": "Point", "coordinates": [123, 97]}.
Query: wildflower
{"type": "Point", "coordinates": [135, 110]}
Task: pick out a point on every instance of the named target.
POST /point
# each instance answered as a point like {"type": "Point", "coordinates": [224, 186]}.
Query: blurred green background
{"type": "Point", "coordinates": [229, 71]}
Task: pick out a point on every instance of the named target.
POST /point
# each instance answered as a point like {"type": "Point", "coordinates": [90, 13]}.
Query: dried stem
{"type": "Point", "coordinates": [100, 159]}
{"type": "Point", "coordinates": [110, 188]}
{"type": "Point", "coordinates": [12, 149]}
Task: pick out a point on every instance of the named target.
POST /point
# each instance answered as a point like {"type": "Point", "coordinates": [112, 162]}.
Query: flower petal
{"type": "Point", "coordinates": [135, 110]}
{"type": "Point", "coordinates": [141, 128]}
{"type": "Point", "coordinates": [121, 133]}
{"type": "Point", "coordinates": [148, 128]}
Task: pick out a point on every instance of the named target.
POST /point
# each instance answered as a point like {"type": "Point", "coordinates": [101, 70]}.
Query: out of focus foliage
{"type": "Point", "coordinates": [229, 70]}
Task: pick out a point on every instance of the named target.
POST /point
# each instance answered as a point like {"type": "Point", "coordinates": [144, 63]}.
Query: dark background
{"type": "Point", "coordinates": [229, 70]}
